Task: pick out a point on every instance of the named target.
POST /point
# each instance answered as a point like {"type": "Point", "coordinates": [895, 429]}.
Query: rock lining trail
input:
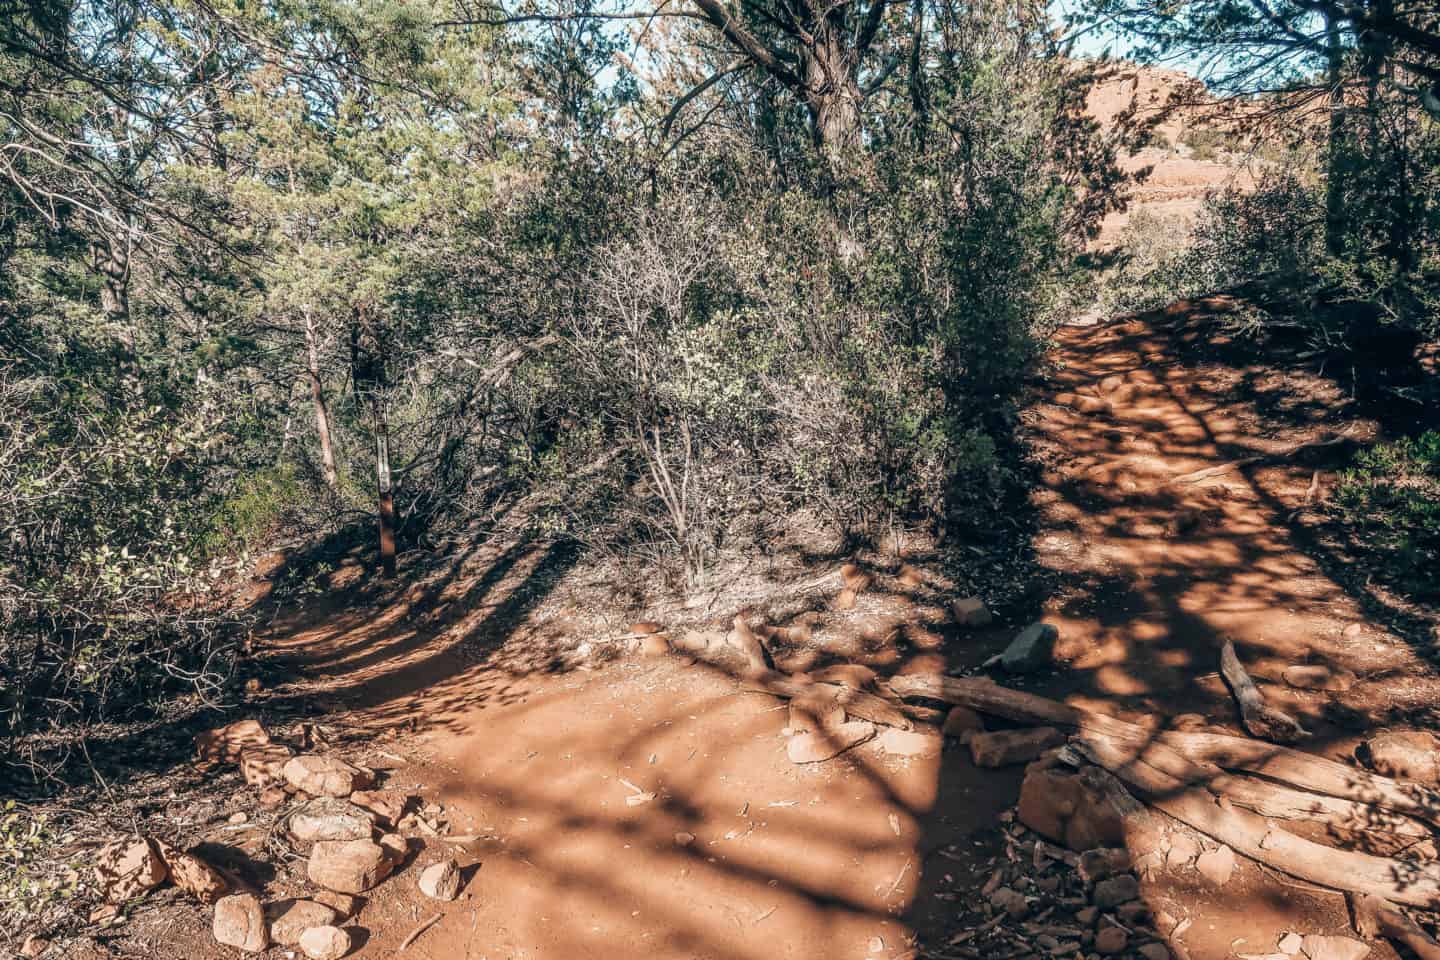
{"type": "Point", "coordinates": [647, 805]}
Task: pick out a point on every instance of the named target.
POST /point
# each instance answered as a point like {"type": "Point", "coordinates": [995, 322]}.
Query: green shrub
{"type": "Point", "coordinates": [107, 494]}
{"type": "Point", "coordinates": [1390, 499]}
{"type": "Point", "coordinates": [1205, 143]}
{"type": "Point", "coordinates": [254, 510]}
{"type": "Point", "coordinates": [1273, 231]}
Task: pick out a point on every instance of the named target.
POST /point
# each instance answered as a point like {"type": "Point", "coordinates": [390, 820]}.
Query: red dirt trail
{"type": "Point", "coordinates": [867, 855]}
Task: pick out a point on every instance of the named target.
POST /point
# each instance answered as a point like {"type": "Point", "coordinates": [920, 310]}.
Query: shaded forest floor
{"type": "Point", "coordinates": [1170, 515]}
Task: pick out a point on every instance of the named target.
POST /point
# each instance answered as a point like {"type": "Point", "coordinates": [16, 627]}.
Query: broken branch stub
{"type": "Point", "coordinates": [1259, 718]}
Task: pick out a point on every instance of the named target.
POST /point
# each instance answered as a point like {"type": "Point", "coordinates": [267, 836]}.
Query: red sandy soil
{"type": "Point", "coordinates": [533, 744]}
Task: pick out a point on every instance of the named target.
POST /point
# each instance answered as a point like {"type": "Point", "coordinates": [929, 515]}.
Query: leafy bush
{"type": "Point", "coordinates": [102, 569]}
{"type": "Point", "coordinates": [1205, 143]}
{"type": "Point", "coordinates": [1274, 231]}
{"type": "Point", "coordinates": [1390, 499]}
{"type": "Point", "coordinates": [28, 887]}
{"type": "Point", "coordinates": [253, 512]}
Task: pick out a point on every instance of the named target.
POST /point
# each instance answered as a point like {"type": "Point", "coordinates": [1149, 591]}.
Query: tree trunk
{"type": "Point", "coordinates": [317, 397]}
{"type": "Point", "coordinates": [832, 94]}
{"type": "Point", "coordinates": [919, 98]}
{"type": "Point", "coordinates": [110, 259]}
{"type": "Point", "coordinates": [385, 511]}
{"type": "Point", "coordinates": [1336, 154]}
{"type": "Point", "coordinates": [367, 365]}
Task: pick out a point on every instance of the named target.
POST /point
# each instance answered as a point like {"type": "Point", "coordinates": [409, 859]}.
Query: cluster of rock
{"type": "Point", "coordinates": [345, 828]}
{"type": "Point", "coordinates": [1047, 901]}
{"type": "Point", "coordinates": [825, 717]}
{"type": "Point", "coordinates": [821, 726]}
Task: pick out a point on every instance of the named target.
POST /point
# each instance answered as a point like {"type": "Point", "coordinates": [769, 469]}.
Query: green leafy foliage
{"type": "Point", "coordinates": [1390, 501]}
{"type": "Point", "coordinates": [27, 885]}
{"type": "Point", "coordinates": [1272, 231]}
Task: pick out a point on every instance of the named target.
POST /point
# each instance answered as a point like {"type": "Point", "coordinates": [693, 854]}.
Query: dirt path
{"type": "Point", "coordinates": [740, 854]}
{"type": "Point", "coordinates": [536, 751]}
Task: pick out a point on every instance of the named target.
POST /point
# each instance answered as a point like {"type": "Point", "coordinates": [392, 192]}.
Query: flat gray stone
{"type": "Point", "coordinates": [1032, 649]}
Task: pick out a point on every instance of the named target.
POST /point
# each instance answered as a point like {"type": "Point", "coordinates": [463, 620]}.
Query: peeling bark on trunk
{"type": "Point", "coordinates": [367, 364]}
{"type": "Point", "coordinates": [317, 397]}
{"type": "Point", "coordinates": [1335, 220]}
{"type": "Point", "coordinates": [385, 511]}
{"type": "Point", "coordinates": [833, 96]}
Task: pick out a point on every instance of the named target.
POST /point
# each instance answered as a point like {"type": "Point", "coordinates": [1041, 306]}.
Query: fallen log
{"type": "Point", "coordinates": [1374, 917]}
{"type": "Point", "coordinates": [1303, 771]}
{"type": "Point", "coordinates": [857, 703]}
{"type": "Point", "coordinates": [1267, 798]}
{"type": "Point", "coordinates": [1413, 883]}
{"type": "Point", "coordinates": [1259, 718]}
{"type": "Point", "coordinates": [1233, 465]}
{"type": "Point", "coordinates": [1309, 772]}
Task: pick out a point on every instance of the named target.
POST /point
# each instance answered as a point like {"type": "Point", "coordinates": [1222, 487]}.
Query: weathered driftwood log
{"type": "Point", "coordinates": [1309, 772]}
{"type": "Point", "coordinates": [1414, 883]}
{"type": "Point", "coordinates": [1208, 751]}
{"type": "Point", "coordinates": [1259, 718]}
{"type": "Point", "coordinates": [1284, 454]}
{"type": "Point", "coordinates": [1375, 917]}
{"type": "Point", "coordinates": [1181, 787]}
{"type": "Point", "coordinates": [857, 703]}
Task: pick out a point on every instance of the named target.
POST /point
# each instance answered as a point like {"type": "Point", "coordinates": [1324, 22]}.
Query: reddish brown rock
{"type": "Point", "coordinates": [1102, 863]}
{"type": "Point", "coordinates": [1004, 748]}
{"type": "Point", "coordinates": [1406, 754]}
{"type": "Point", "coordinates": [1109, 894]}
{"type": "Point", "coordinates": [330, 818]}
{"type": "Point", "coordinates": [1110, 941]}
{"type": "Point", "coordinates": [349, 866]}
{"type": "Point", "coordinates": [344, 905]}
{"type": "Point", "coordinates": [1012, 902]}
{"type": "Point", "coordinates": [962, 722]}
{"type": "Point", "coordinates": [326, 776]}
{"type": "Point", "coordinates": [129, 868]}
{"type": "Point", "coordinates": [290, 918]}
{"type": "Point", "coordinates": [226, 744]}
{"type": "Point", "coordinates": [441, 881]}
{"type": "Point", "coordinates": [970, 612]}
{"type": "Point", "coordinates": [240, 922]}
{"type": "Point", "coordinates": [192, 874]}
{"type": "Point", "coordinates": [386, 807]}
{"type": "Point", "coordinates": [1216, 865]}
{"type": "Point", "coordinates": [261, 765]}
{"type": "Point", "coordinates": [325, 943]}
{"type": "Point", "coordinates": [1063, 805]}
